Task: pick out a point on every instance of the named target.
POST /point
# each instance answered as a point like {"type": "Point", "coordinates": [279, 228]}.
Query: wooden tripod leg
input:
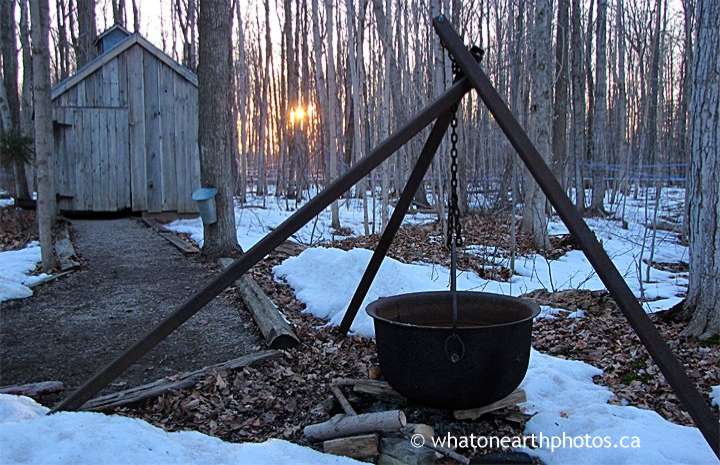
{"type": "Point", "coordinates": [404, 202]}
{"type": "Point", "coordinates": [287, 228]}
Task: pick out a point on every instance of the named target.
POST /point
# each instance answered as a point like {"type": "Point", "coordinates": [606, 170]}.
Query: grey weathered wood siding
{"type": "Point", "coordinates": [126, 138]}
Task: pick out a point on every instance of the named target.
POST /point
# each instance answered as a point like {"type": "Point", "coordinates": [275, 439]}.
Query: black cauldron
{"type": "Point", "coordinates": [412, 332]}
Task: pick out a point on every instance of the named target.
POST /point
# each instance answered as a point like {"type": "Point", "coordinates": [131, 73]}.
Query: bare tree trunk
{"type": "Point", "coordinates": [623, 149]}
{"type": "Point", "coordinates": [118, 10]}
{"type": "Point", "coordinates": [26, 96]}
{"type": "Point", "coordinates": [136, 16]}
{"type": "Point", "coordinates": [46, 202]}
{"type": "Point", "coordinates": [686, 97]}
{"type": "Point", "coordinates": [577, 140]}
{"type": "Point", "coordinates": [87, 32]}
{"type": "Point", "coordinates": [599, 121]}
{"type": "Point", "coordinates": [214, 128]}
{"type": "Point", "coordinates": [332, 99]}
{"type": "Point", "coordinates": [651, 126]}
{"type": "Point", "coordinates": [534, 216]}
{"type": "Point", "coordinates": [320, 83]}
{"type": "Point", "coordinates": [704, 189]}
{"type": "Point", "coordinates": [590, 84]}
{"type": "Point", "coordinates": [559, 133]}
{"type": "Point", "coordinates": [8, 43]}
{"type": "Point", "coordinates": [63, 47]}
{"type": "Point", "coordinates": [241, 95]}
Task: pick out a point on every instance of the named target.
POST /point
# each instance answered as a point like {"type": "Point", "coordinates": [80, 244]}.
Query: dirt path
{"type": "Point", "coordinates": [131, 278]}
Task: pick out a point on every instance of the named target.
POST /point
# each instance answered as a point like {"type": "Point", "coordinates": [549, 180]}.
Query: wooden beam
{"type": "Point", "coordinates": [33, 389]}
{"type": "Point", "coordinates": [344, 403]}
{"type": "Point", "coordinates": [371, 387]}
{"type": "Point", "coordinates": [273, 325]}
{"type": "Point", "coordinates": [351, 425]}
{"type": "Point", "coordinates": [358, 447]}
{"type": "Point", "coordinates": [516, 397]}
{"type": "Point", "coordinates": [172, 383]}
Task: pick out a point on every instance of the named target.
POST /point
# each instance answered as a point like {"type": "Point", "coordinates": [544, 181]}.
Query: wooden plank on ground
{"type": "Point", "coordinates": [184, 246]}
{"type": "Point", "coordinates": [272, 323]}
{"type": "Point", "coordinates": [364, 446]}
{"type": "Point", "coordinates": [516, 397]}
{"type": "Point", "coordinates": [171, 383]}
{"type": "Point", "coordinates": [371, 387]}
{"type": "Point", "coordinates": [33, 389]}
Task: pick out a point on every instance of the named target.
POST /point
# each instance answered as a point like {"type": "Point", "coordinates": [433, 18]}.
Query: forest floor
{"type": "Point", "coordinates": [130, 279]}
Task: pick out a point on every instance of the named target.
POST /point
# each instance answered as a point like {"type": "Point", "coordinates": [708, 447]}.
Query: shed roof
{"type": "Point", "coordinates": [101, 60]}
{"type": "Point", "coordinates": [114, 27]}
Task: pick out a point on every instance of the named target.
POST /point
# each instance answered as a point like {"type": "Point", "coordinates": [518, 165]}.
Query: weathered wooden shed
{"type": "Point", "coordinates": [125, 130]}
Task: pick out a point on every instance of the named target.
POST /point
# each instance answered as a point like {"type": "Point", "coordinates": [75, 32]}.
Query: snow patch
{"type": "Point", "coordinates": [27, 435]}
{"type": "Point", "coordinates": [15, 269]}
{"type": "Point", "coordinates": [715, 396]}
{"type": "Point", "coordinates": [547, 312]}
{"type": "Point", "coordinates": [562, 395]}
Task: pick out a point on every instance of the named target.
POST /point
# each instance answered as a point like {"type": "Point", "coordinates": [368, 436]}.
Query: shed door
{"type": "Point", "coordinates": [93, 163]}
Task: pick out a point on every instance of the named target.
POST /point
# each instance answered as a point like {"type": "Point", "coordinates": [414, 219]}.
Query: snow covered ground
{"type": "Point", "coordinates": [15, 269]}
{"type": "Point", "coordinates": [28, 436]}
{"type": "Point", "coordinates": [253, 221]}
{"type": "Point", "coordinates": [715, 396]}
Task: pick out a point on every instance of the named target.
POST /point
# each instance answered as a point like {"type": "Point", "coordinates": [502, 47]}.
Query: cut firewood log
{"type": "Point", "coordinates": [375, 388]}
{"type": "Point", "coordinates": [344, 403]}
{"type": "Point", "coordinates": [351, 425]}
{"type": "Point", "coordinates": [273, 325]}
{"type": "Point", "coordinates": [358, 447]}
{"type": "Point", "coordinates": [33, 389]}
{"type": "Point", "coordinates": [516, 397]}
{"type": "Point", "coordinates": [181, 381]}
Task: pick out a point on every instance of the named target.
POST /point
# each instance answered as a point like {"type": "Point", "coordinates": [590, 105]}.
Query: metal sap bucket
{"type": "Point", "coordinates": [411, 331]}
{"type": "Point", "coordinates": [205, 198]}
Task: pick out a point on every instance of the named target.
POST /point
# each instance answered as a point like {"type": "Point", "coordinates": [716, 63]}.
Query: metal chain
{"type": "Point", "coordinates": [453, 223]}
